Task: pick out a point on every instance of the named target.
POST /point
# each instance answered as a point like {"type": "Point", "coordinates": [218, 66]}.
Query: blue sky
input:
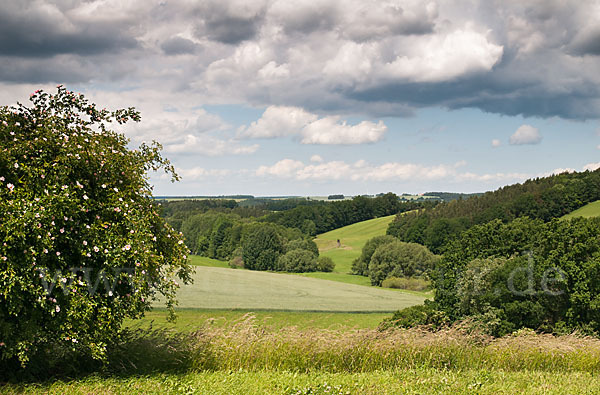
{"type": "Point", "coordinates": [272, 97]}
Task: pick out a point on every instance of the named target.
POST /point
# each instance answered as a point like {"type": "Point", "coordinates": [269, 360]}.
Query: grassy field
{"type": "Point", "coordinates": [251, 359]}
{"type": "Point", "coordinates": [193, 319]}
{"type": "Point", "coordinates": [589, 210]}
{"type": "Point", "coordinates": [412, 381]}
{"type": "Point", "coordinates": [352, 238]}
{"type": "Point", "coordinates": [224, 288]}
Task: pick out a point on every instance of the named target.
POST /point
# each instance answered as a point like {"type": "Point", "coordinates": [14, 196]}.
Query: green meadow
{"type": "Point", "coordinates": [587, 211]}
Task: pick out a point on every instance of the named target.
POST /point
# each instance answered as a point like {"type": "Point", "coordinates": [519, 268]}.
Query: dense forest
{"type": "Point", "coordinates": [540, 198]}
{"type": "Point", "coordinates": [315, 219]}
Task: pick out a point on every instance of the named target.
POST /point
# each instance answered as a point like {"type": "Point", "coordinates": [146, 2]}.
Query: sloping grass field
{"type": "Point", "coordinates": [224, 288]}
{"type": "Point", "coordinates": [587, 211]}
{"type": "Point", "coordinates": [352, 238]}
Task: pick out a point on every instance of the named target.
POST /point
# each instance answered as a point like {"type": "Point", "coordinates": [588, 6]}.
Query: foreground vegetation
{"type": "Point", "coordinates": [250, 358]}
{"type": "Point", "coordinates": [401, 381]}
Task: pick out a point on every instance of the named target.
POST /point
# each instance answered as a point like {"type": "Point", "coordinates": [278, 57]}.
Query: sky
{"type": "Point", "coordinates": [282, 97]}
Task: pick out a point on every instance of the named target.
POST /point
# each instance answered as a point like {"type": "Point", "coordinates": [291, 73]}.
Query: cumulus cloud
{"type": "Point", "coordinates": [365, 171]}
{"type": "Point", "coordinates": [178, 46]}
{"type": "Point", "coordinates": [278, 121]}
{"type": "Point", "coordinates": [370, 57]}
{"type": "Point", "coordinates": [283, 168]}
{"type": "Point", "coordinates": [316, 158]}
{"type": "Point", "coordinates": [199, 173]}
{"type": "Point", "coordinates": [526, 134]}
{"type": "Point", "coordinates": [496, 143]}
{"type": "Point", "coordinates": [42, 29]}
{"type": "Point", "coordinates": [592, 166]}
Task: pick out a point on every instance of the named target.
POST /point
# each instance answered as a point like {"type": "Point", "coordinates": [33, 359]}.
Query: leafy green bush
{"type": "Point", "coordinates": [261, 247]}
{"type": "Point", "coordinates": [427, 314]}
{"type": "Point", "coordinates": [325, 264]}
{"type": "Point", "coordinates": [399, 259]}
{"type": "Point", "coordinates": [302, 244]}
{"type": "Point", "coordinates": [83, 246]}
{"type": "Point", "coordinates": [298, 261]}
{"type": "Point", "coordinates": [409, 283]}
{"type": "Point", "coordinates": [360, 265]}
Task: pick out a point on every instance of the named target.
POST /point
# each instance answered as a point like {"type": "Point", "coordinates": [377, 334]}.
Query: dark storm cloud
{"type": "Point", "coordinates": [587, 42]}
{"type": "Point", "coordinates": [39, 71]}
{"type": "Point", "coordinates": [178, 46]}
{"type": "Point", "coordinates": [220, 23]}
{"type": "Point", "coordinates": [36, 30]}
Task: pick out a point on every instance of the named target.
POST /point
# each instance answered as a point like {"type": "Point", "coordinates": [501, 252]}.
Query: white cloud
{"type": "Point", "coordinates": [592, 166]}
{"type": "Point", "coordinates": [283, 168]}
{"type": "Point", "coordinates": [209, 146]}
{"type": "Point", "coordinates": [329, 131]}
{"type": "Point", "coordinates": [278, 121]}
{"type": "Point", "coordinates": [496, 143]}
{"type": "Point", "coordinates": [362, 170]}
{"type": "Point", "coordinates": [316, 158]}
{"type": "Point", "coordinates": [199, 173]}
{"type": "Point", "coordinates": [445, 57]}
{"type": "Point", "coordinates": [526, 134]}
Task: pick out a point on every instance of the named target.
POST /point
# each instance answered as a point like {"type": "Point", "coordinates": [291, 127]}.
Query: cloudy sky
{"type": "Point", "coordinates": [283, 97]}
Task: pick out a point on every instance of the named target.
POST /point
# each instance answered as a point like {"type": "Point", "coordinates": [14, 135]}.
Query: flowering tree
{"type": "Point", "coordinates": [82, 246]}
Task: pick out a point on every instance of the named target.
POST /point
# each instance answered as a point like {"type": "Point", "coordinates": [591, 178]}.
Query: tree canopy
{"type": "Point", "coordinates": [83, 246]}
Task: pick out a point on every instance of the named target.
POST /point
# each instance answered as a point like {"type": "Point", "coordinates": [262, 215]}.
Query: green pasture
{"type": "Point", "coordinates": [224, 288]}
{"type": "Point", "coordinates": [587, 211]}
{"type": "Point", "coordinates": [192, 319]}
{"type": "Point", "coordinates": [411, 381]}
{"type": "Point", "coordinates": [352, 238]}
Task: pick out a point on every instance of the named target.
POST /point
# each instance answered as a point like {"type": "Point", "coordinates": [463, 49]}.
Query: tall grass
{"type": "Point", "coordinates": [246, 346]}
{"type": "Point", "coordinates": [249, 347]}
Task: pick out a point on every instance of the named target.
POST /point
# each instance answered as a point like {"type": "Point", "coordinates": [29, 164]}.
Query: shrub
{"type": "Point", "coordinates": [302, 244]}
{"type": "Point", "coordinates": [409, 283]}
{"type": "Point", "coordinates": [361, 264]}
{"type": "Point", "coordinates": [261, 247]}
{"type": "Point", "coordinates": [325, 264]}
{"type": "Point", "coordinates": [419, 315]}
{"type": "Point", "coordinates": [83, 246]}
{"type": "Point", "coordinates": [399, 259]}
{"type": "Point", "coordinates": [298, 261]}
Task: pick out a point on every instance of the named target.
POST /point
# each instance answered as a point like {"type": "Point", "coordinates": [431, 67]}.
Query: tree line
{"type": "Point", "coordinates": [540, 198]}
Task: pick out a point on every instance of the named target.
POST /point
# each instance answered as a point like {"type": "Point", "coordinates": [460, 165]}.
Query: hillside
{"type": "Point", "coordinates": [540, 198]}
{"type": "Point", "coordinates": [587, 211]}
{"type": "Point", "coordinates": [352, 239]}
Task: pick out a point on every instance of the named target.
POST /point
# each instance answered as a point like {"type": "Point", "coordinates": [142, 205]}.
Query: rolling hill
{"type": "Point", "coordinates": [587, 211]}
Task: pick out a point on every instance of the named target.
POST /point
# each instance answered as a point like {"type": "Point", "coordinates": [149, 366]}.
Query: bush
{"type": "Point", "coordinates": [325, 264]}
{"type": "Point", "coordinates": [83, 246]}
{"type": "Point", "coordinates": [261, 247]}
{"type": "Point", "coordinates": [361, 264]}
{"type": "Point", "coordinates": [302, 244]}
{"type": "Point", "coordinates": [298, 261]}
{"type": "Point", "coordinates": [409, 283]}
{"type": "Point", "coordinates": [420, 315]}
{"type": "Point", "coordinates": [399, 259]}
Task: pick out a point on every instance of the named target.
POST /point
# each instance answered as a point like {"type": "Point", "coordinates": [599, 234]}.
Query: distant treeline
{"type": "Point", "coordinates": [320, 218]}
{"type": "Point", "coordinates": [539, 198]}
{"type": "Point", "coordinates": [450, 196]}
{"type": "Point", "coordinates": [217, 228]}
